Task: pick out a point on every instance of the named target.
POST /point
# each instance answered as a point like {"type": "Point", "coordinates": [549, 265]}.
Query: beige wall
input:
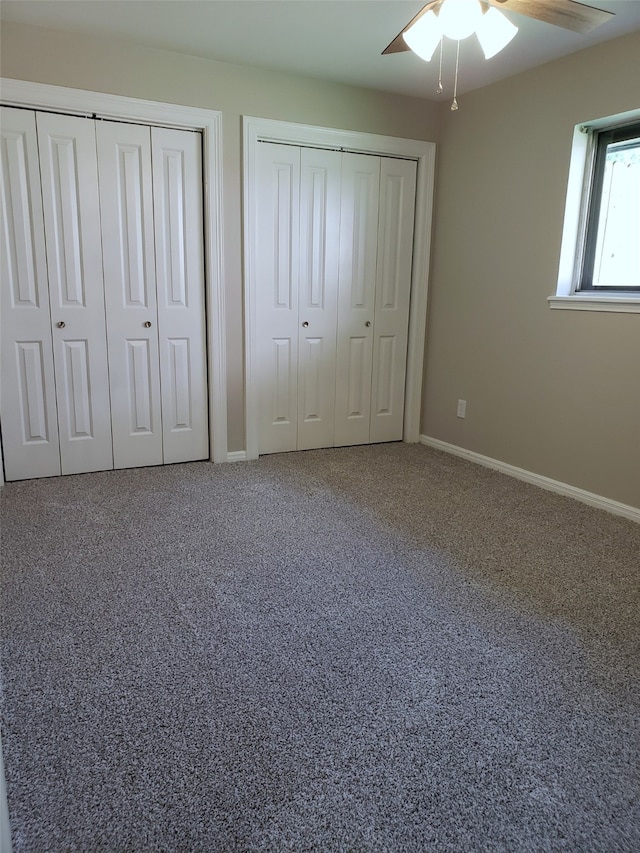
{"type": "Point", "coordinates": [65, 59]}
{"type": "Point", "coordinates": [554, 392]}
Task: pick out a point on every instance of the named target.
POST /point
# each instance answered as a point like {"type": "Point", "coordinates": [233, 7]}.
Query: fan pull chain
{"type": "Point", "coordinates": [454, 103]}
{"type": "Point", "coordinates": [439, 89]}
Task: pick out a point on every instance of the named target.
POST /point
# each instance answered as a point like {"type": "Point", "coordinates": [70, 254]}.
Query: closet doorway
{"type": "Point", "coordinates": [335, 241]}
{"type": "Point", "coordinates": [131, 183]}
{"type": "Point", "coordinates": [337, 229]}
{"type": "Point", "coordinates": [113, 310]}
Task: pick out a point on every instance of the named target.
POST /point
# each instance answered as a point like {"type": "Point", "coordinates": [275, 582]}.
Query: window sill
{"type": "Point", "coordinates": [619, 304]}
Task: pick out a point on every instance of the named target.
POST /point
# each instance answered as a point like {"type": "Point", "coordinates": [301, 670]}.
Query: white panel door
{"type": "Point", "coordinates": [393, 289]}
{"type": "Point", "coordinates": [27, 404]}
{"type": "Point", "coordinates": [356, 297]}
{"type": "Point", "coordinates": [126, 205]}
{"type": "Point", "coordinates": [179, 239]}
{"type": "Point", "coordinates": [318, 296]}
{"type": "Point", "coordinates": [67, 148]}
{"type": "Point", "coordinates": [277, 250]}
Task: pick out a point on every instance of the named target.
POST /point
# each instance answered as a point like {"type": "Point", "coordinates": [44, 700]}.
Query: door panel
{"type": "Point", "coordinates": [179, 240]}
{"type": "Point", "coordinates": [277, 248]}
{"type": "Point", "coordinates": [358, 379]}
{"type": "Point", "coordinates": [179, 390]}
{"type": "Point", "coordinates": [141, 367]}
{"type": "Point", "coordinates": [384, 370]}
{"type": "Point", "coordinates": [318, 301]}
{"type": "Point", "coordinates": [312, 367]}
{"type": "Point", "coordinates": [75, 378]}
{"type": "Point", "coordinates": [356, 296]}
{"type": "Point", "coordinates": [27, 402]}
{"type": "Point", "coordinates": [32, 396]}
{"type": "Point", "coordinates": [281, 409]}
{"type": "Point", "coordinates": [126, 206]}
{"type": "Point", "coordinates": [68, 164]}
{"type": "Point", "coordinates": [393, 290]}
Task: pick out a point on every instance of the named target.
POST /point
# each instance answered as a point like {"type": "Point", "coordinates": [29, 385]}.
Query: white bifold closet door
{"type": "Point", "coordinates": [27, 389]}
{"type": "Point", "coordinates": [72, 302]}
{"type": "Point", "coordinates": [334, 240]}
{"type": "Point", "coordinates": [179, 240]}
{"type": "Point", "coordinates": [298, 215]}
{"type": "Point", "coordinates": [357, 295]}
{"type": "Point", "coordinates": [391, 295]}
{"type": "Point", "coordinates": [153, 269]}
{"type": "Point", "coordinates": [103, 324]}
{"type": "Point", "coordinates": [126, 203]}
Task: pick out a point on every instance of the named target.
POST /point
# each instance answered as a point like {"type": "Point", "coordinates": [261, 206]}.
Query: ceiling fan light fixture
{"type": "Point", "coordinates": [494, 32]}
{"type": "Point", "coordinates": [459, 18]}
{"type": "Point", "coordinates": [424, 36]}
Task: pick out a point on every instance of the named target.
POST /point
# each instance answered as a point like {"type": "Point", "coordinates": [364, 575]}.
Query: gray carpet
{"type": "Point", "coordinates": [367, 649]}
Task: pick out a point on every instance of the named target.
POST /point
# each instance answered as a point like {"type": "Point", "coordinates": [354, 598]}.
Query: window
{"type": "Point", "coordinates": [600, 255]}
{"type": "Point", "coordinates": [611, 260]}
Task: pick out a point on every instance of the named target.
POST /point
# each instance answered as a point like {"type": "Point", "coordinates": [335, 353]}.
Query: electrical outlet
{"type": "Point", "coordinates": [462, 409]}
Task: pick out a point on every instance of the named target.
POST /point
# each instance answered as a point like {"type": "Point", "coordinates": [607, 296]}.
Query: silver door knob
{"type": "Point", "coordinates": [147, 324]}
{"type": "Point", "coordinates": [368, 323]}
{"type": "Point", "coordinates": [61, 324]}
{"type": "Point", "coordinates": [305, 325]}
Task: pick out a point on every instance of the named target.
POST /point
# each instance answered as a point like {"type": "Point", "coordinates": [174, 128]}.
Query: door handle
{"type": "Point", "coordinates": [305, 325]}
{"type": "Point", "coordinates": [147, 324]}
{"type": "Point", "coordinates": [368, 323]}
{"type": "Point", "coordinates": [61, 324]}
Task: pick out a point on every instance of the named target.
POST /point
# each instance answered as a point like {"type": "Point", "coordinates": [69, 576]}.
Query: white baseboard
{"type": "Point", "coordinates": [237, 456]}
{"type": "Point", "coordinates": [598, 501]}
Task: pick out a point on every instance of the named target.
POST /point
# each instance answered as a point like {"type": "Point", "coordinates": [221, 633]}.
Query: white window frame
{"type": "Point", "coordinates": [575, 224]}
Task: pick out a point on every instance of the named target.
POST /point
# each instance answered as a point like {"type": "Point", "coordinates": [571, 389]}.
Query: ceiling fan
{"type": "Point", "coordinates": [458, 19]}
{"type": "Point", "coordinates": [569, 14]}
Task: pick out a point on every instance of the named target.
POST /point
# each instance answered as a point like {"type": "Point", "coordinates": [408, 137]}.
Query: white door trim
{"type": "Point", "coordinates": [267, 130]}
{"type": "Point", "coordinates": [209, 122]}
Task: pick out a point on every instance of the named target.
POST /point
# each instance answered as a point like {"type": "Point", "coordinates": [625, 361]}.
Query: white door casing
{"type": "Point", "coordinates": [256, 132]}
{"type": "Point", "coordinates": [126, 205]}
{"type": "Point", "coordinates": [177, 194]}
{"type": "Point", "coordinates": [30, 434]}
{"type": "Point", "coordinates": [68, 166]}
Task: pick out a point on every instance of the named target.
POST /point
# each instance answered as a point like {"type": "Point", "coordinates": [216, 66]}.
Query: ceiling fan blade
{"type": "Point", "coordinates": [561, 13]}
{"type": "Point", "coordinates": [399, 44]}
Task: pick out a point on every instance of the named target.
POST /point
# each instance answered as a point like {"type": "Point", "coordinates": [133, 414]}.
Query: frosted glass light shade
{"type": "Point", "coordinates": [494, 32]}
{"type": "Point", "coordinates": [424, 36]}
{"type": "Point", "coordinates": [459, 18]}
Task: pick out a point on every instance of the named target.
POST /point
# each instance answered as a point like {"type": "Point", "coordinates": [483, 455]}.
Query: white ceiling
{"type": "Point", "coordinates": [338, 40]}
